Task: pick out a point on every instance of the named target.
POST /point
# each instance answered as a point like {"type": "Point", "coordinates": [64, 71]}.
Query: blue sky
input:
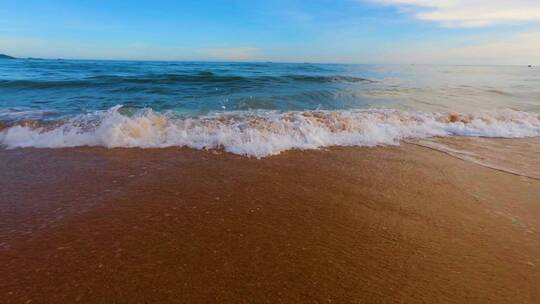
{"type": "Point", "coordinates": [350, 31]}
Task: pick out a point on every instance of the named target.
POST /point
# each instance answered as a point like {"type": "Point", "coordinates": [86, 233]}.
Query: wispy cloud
{"type": "Point", "coordinates": [469, 13]}
{"type": "Point", "coordinates": [235, 53]}
{"type": "Point", "coordinates": [521, 49]}
{"type": "Point", "coordinates": [518, 49]}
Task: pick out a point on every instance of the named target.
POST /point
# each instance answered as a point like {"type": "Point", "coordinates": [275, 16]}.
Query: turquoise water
{"type": "Point", "coordinates": [60, 87]}
{"type": "Point", "coordinates": [258, 108]}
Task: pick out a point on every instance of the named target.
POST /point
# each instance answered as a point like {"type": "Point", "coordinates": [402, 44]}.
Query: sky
{"type": "Point", "coordinates": [502, 32]}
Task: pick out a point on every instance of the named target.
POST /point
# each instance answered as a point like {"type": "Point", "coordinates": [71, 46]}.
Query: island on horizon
{"type": "Point", "coordinates": [284, 152]}
{"type": "Point", "coordinates": [4, 56]}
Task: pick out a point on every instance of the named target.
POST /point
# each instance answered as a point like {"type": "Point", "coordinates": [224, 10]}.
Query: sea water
{"type": "Point", "coordinates": [259, 109]}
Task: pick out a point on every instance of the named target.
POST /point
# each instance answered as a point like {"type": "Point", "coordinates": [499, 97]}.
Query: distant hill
{"type": "Point", "coordinates": [3, 56]}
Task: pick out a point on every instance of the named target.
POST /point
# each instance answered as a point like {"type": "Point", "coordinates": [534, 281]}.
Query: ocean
{"type": "Point", "coordinates": [259, 109]}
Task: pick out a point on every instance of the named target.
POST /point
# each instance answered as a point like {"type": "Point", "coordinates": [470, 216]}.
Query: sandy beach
{"type": "Point", "coordinates": [230, 152]}
{"type": "Point", "coordinates": [402, 224]}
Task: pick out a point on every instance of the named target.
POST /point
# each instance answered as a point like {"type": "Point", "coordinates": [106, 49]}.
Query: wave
{"type": "Point", "coordinates": [265, 133]}
{"type": "Point", "coordinates": [17, 113]}
{"type": "Point", "coordinates": [204, 77]}
{"type": "Point", "coordinates": [115, 80]}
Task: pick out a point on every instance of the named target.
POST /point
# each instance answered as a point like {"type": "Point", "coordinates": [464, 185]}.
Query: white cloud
{"type": "Point", "coordinates": [470, 13]}
{"type": "Point", "coordinates": [238, 53]}
{"type": "Point", "coordinates": [520, 49]}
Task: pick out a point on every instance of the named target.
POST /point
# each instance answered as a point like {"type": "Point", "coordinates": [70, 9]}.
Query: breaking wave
{"type": "Point", "coordinates": [265, 133]}
{"type": "Point", "coordinates": [205, 77]}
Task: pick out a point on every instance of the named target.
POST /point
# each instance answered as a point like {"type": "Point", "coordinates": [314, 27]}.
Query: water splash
{"type": "Point", "coordinates": [265, 133]}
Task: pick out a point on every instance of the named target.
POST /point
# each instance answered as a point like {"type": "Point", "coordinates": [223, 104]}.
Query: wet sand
{"type": "Point", "coordinates": [345, 225]}
{"type": "Point", "coordinates": [512, 155]}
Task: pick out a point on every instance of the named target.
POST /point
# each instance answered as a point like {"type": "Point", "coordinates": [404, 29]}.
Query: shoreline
{"type": "Point", "coordinates": [343, 225]}
{"type": "Point", "coordinates": [508, 155]}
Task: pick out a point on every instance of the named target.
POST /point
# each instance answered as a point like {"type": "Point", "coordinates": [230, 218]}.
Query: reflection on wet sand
{"type": "Point", "coordinates": [516, 156]}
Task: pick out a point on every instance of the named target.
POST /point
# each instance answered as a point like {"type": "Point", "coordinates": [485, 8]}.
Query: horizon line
{"type": "Point", "coordinates": [259, 61]}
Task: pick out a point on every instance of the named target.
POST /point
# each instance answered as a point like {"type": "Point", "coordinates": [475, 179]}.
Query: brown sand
{"type": "Point", "coordinates": [512, 155]}
{"type": "Point", "coordinates": [348, 225]}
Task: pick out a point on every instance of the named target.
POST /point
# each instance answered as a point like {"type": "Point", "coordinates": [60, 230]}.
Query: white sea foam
{"type": "Point", "coordinates": [267, 133]}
